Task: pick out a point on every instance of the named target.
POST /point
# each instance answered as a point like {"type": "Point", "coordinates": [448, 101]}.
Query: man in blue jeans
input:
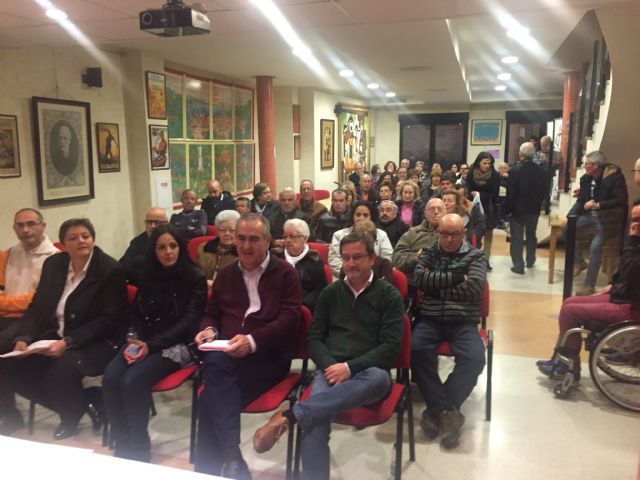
{"type": "Point", "coordinates": [354, 340]}
{"type": "Point", "coordinates": [451, 276]}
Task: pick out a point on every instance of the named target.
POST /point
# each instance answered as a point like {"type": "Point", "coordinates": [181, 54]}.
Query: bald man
{"type": "Point", "coordinates": [636, 174]}
{"type": "Point", "coordinates": [133, 258]}
{"type": "Point", "coordinates": [451, 276]}
{"type": "Point", "coordinates": [217, 201]}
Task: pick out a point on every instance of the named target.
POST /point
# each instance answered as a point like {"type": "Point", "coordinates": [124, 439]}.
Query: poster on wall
{"type": "Point", "coordinates": [9, 147]}
{"type": "Point", "coordinates": [158, 147]}
{"type": "Point", "coordinates": [353, 126]}
{"type": "Point", "coordinates": [222, 111]}
{"type": "Point", "coordinates": [156, 96]}
{"type": "Point", "coordinates": [223, 167]}
{"type": "Point", "coordinates": [200, 168]}
{"type": "Point", "coordinates": [174, 105]}
{"type": "Point", "coordinates": [178, 170]}
{"type": "Point", "coordinates": [62, 134]}
{"type": "Point", "coordinates": [327, 136]}
{"type": "Point", "coordinates": [108, 138]}
{"type": "Point", "coordinates": [243, 114]}
{"type": "Point", "coordinates": [197, 105]}
{"type": "Point", "coordinates": [486, 132]}
{"type": "Point", "coordinates": [245, 158]}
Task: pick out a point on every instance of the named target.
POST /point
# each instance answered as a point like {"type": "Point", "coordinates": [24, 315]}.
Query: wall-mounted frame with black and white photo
{"type": "Point", "coordinates": [62, 137]}
{"type": "Point", "coordinates": [9, 147]}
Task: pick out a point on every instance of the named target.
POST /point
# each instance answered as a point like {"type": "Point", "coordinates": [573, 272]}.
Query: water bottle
{"type": "Point", "coordinates": [132, 349]}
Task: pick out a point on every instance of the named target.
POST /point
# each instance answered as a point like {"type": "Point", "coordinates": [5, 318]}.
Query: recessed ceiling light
{"type": "Point", "coordinates": [500, 88]}
{"type": "Point", "coordinates": [509, 59]}
{"type": "Point", "coordinates": [518, 33]}
{"type": "Point", "coordinates": [372, 86]}
{"type": "Point", "coordinates": [390, 94]}
{"type": "Point", "coordinates": [346, 73]}
{"type": "Point", "coordinates": [56, 14]}
{"type": "Point", "coordinates": [504, 76]}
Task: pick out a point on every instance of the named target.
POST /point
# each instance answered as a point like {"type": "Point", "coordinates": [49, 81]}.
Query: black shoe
{"type": "Point", "coordinates": [236, 469]}
{"type": "Point", "coordinates": [65, 430]}
{"type": "Point", "coordinates": [96, 414]}
{"type": "Point", "coordinates": [11, 422]}
{"type": "Point", "coordinates": [531, 265]}
{"type": "Point", "coordinates": [451, 422]}
{"type": "Point", "coordinates": [430, 425]}
{"type": "Point", "coordinates": [489, 267]}
{"type": "Point", "coordinates": [519, 271]}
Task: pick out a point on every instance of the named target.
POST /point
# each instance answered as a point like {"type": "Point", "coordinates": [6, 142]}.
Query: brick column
{"type": "Point", "coordinates": [572, 86]}
{"type": "Point", "coordinates": [266, 131]}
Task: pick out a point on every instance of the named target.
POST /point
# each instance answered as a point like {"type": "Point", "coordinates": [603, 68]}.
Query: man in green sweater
{"type": "Point", "coordinates": [354, 340]}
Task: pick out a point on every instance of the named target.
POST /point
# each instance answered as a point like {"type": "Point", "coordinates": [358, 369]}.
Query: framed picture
{"type": "Point", "coordinates": [156, 96]}
{"type": "Point", "coordinates": [296, 147]}
{"type": "Point", "coordinates": [327, 135]}
{"type": "Point", "coordinates": [108, 138]}
{"type": "Point", "coordinates": [62, 136]}
{"type": "Point", "coordinates": [9, 147]}
{"type": "Point", "coordinates": [159, 147]}
{"type": "Point", "coordinates": [486, 132]}
{"type": "Point", "coordinates": [353, 139]}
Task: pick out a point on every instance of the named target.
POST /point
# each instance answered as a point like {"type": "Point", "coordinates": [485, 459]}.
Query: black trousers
{"type": "Point", "coordinates": [7, 329]}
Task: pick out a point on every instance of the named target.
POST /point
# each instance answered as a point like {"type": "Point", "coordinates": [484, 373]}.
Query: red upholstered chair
{"type": "Point", "coordinates": [328, 273]}
{"type": "Point", "coordinates": [212, 231]}
{"type": "Point", "coordinates": [401, 283]}
{"type": "Point", "coordinates": [398, 401]}
{"type": "Point", "coordinates": [59, 246]}
{"type": "Point", "coordinates": [321, 195]}
{"type": "Point", "coordinates": [322, 249]}
{"type": "Point", "coordinates": [194, 243]}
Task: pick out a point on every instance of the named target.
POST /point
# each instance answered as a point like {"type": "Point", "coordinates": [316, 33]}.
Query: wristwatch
{"type": "Point", "coordinates": [68, 341]}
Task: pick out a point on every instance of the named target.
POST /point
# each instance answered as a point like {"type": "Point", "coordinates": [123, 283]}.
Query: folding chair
{"type": "Point", "coordinates": [194, 243]}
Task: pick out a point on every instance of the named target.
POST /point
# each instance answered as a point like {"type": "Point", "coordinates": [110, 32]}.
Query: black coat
{"type": "Point", "coordinates": [213, 206]}
{"type": "Point", "coordinates": [329, 223]}
{"type": "Point", "coordinates": [168, 307]}
{"type": "Point", "coordinates": [488, 196]}
{"type": "Point", "coordinates": [527, 188]}
{"type": "Point", "coordinates": [312, 277]}
{"type": "Point", "coordinates": [394, 229]}
{"type": "Point", "coordinates": [94, 314]}
{"type": "Point", "coordinates": [133, 258]}
{"type": "Point", "coordinates": [625, 286]}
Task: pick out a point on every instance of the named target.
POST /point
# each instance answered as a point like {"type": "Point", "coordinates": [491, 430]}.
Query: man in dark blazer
{"type": "Point", "coordinates": [133, 258]}
{"type": "Point", "coordinates": [256, 307]}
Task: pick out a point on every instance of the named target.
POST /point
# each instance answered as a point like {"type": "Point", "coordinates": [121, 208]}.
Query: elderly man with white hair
{"type": "Point", "coordinates": [526, 190]}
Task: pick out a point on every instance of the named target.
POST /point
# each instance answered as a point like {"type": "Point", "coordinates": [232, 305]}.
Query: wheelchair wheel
{"type": "Point", "coordinates": [619, 381]}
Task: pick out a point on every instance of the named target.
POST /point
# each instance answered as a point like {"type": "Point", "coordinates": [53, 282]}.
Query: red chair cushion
{"type": "Point", "coordinates": [175, 379]}
{"type": "Point", "coordinates": [272, 398]}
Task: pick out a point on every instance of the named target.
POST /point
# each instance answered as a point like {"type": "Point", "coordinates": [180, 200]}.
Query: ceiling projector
{"type": "Point", "coordinates": [175, 19]}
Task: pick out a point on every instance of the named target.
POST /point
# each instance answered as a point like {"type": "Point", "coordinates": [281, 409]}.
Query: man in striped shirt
{"type": "Point", "coordinates": [450, 275]}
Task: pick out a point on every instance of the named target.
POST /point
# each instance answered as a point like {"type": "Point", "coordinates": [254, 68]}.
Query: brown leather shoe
{"type": "Point", "coordinates": [266, 436]}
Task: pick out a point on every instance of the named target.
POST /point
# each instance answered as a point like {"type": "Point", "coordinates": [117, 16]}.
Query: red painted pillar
{"type": "Point", "coordinates": [266, 130]}
{"type": "Point", "coordinates": [572, 86]}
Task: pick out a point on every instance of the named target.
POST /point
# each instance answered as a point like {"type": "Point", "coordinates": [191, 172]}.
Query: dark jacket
{"type": "Point", "coordinates": [329, 223]}
{"type": "Point", "coordinates": [625, 287]}
{"type": "Point", "coordinates": [213, 206]}
{"type": "Point", "coordinates": [526, 189]}
{"type": "Point", "coordinates": [94, 314]}
{"type": "Point", "coordinates": [488, 196]}
{"type": "Point", "coordinates": [277, 219]}
{"type": "Point", "coordinates": [191, 224]}
{"type": "Point", "coordinates": [373, 197]}
{"type": "Point", "coordinates": [169, 306]}
{"type": "Point", "coordinates": [394, 229]}
{"type": "Point", "coordinates": [311, 272]}
{"type": "Point", "coordinates": [133, 259]}
{"type": "Point", "coordinates": [610, 190]}
{"type": "Point", "coordinates": [418, 212]}
{"type": "Point", "coordinates": [313, 211]}
{"type": "Point", "coordinates": [270, 208]}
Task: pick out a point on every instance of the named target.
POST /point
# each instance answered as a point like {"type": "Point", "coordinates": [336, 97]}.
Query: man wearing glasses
{"type": "Point", "coordinates": [20, 269]}
{"type": "Point", "coordinates": [133, 258]}
{"type": "Point", "coordinates": [451, 276]}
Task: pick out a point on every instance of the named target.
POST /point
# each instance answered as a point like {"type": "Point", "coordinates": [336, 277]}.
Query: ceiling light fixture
{"type": "Point", "coordinates": [510, 59]}
{"type": "Point", "coordinates": [372, 86]}
{"type": "Point", "coordinates": [518, 33]}
{"type": "Point", "coordinates": [500, 88]}
{"type": "Point", "coordinates": [346, 73]}
{"type": "Point", "coordinates": [504, 76]}
{"type": "Point", "coordinates": [56, 14]}
{"type": "Point", "coordinates": [390, 94]}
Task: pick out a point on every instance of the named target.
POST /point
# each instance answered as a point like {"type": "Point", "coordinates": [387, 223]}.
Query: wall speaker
{"type": "Point", "coordinates": [93, 77]}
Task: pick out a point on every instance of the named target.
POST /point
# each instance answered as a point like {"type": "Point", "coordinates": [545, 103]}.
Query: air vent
{"type": "Point", "coordinates": [416, 68]}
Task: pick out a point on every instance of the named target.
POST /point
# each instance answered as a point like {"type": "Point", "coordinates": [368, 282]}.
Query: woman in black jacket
{"type": "Point", "coordinates": [165, 316]}
{"type": "Point", "coordinates": [485, 179]}
{"type": "Point", "coordinates": [77, 307]}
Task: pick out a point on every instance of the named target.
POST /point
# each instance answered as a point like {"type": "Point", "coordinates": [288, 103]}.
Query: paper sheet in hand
{"type": "Point", "coordinates": [221, 345]}
{"type": "Point", "coordinates": [35, 347]}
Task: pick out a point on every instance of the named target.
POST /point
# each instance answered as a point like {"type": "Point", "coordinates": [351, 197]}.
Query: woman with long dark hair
{"type": "Point", "coordinates": [484, 180]}
{"type": "Point", "coordinates": [165, 316]}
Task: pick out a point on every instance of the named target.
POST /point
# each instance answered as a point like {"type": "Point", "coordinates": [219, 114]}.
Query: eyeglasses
{"type": "Point", "coordinates": [227, 231]}
{"type": "Point", "coordinates": [292, 237]}
{"type": "Point", "coordinates": [30, 224]}
{"type": "Point", "coordinates": [355, 258]}
{"type": "Point", "coordinates": [155, 222]}
{"type": "Point", "coordinates": [449, 234]}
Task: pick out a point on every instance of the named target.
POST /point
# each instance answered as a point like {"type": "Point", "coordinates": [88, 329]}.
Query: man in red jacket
{"type": "Point", "coordinates": [256, 306]}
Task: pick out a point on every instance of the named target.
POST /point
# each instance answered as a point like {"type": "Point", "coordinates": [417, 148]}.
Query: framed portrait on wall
{"type": "Point", "coordinates": [353, 143]}
{"type": "Point", "coordinates": [108, 138]}
{"type": "Point", "coordinates": [486, 132]}
{"type": "Point", "coordinates": [327, 142]}
{"type": "Point", "coordinates": [159, 147]}
{"type": "Point", "coordinates": [62, 136]}
{"type": "Point", "coordinates": [156, 96]}
{"type": "Point", "coordinates": [9, 147]}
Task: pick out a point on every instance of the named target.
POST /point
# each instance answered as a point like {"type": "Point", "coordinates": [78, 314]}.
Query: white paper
{"type": "Point", "coordinates": [221, 345]}
{"type": "Point", "coordinates": [35, 347]}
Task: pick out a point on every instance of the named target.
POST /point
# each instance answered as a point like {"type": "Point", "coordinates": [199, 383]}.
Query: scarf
{"type": "Point", "coordinates": [294, 260]}
{"type": "Point", "coordinates": [480, 178]}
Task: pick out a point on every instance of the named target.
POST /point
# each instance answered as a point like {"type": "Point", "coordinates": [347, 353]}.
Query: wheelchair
{"type": "Point", "coordinates": [614, 362]}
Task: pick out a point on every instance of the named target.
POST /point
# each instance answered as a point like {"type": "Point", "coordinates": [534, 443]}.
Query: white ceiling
{"type": "Point", "coordinates": [455, 44]}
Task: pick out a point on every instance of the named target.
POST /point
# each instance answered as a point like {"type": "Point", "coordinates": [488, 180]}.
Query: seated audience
{"type": "Point", "coordinates": [288, 209]}
{"type": "Point", "coordinates": [190, 223]}
{"type": "Point", "coordinates": [385, 191]}
{"type": "Point", "coordinates": [451, 276]}
{"type": "Point", "coordinates": [406, 163]}
{"type": "Point", "coordinates": [615, 303]}
{"type": "Point", "coordinates": [402, 174]}
{"type": "Point", "coordinates": [243, 205]}
{"type": "Point", "coordinates": [216, 201]}
{"type": "Point", "coordinates": [454, 169]}
{"type": "Point", "coordinates": [350, 190]}
{"type": "Point", "coordinates": [256, 307]}
{"type": "Point", "coordinates": [382, 267]}
{"type": "Point", "coordinates": [216, 254]}
{"type": "Point", "coordinates": [309, 206]}
{"type": "Point", "coordinates": [410, 207]}
{"type": "Point", "coordinates": [356, 174]}
{"type": "Point", "coordinates": [262, 201]}
{"type": "Point", "coordinates": [390, 166]}
{"type": "Point", "coordinates": [165, 316]}
{"type": "Point", "coordinates": [133, 259]}
{"type": "Point", "coordinates": [388, 178]}
{"type": "Point", "coordinates": [307, 262]}
{"type": "Point", "coordinates": [389, 221]}
{"type": "Point", "coordinates": [433, 190]}
{"type": "Point", "coordinates": [376, 171]}
{"type": "Point", "coordinates": [353, 356]}
{"type": "Point", "coordinates": [361, 211]}
{"type": "Point", "coordinates": [79, 305]}
{"type": "Point", "coordinates": [462, 178]}
{"type": "Point", "coordinates": [447, 182]}
{"type": "Point", "coordinates": [335, 219]}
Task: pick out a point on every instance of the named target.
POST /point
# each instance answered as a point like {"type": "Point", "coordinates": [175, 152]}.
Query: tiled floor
{"type": "Point", "coordinates": [532, 434]}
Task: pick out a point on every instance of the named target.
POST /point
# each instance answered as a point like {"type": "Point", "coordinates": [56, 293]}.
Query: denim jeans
{"type": "Point", "coordinates": [315, 414]}
{"type": "Point", "coordinates": [523, 225]}
{"type": "Point", "coordinates": [595, 248]}
{"type": "Point", "coordinates": [468, 349]}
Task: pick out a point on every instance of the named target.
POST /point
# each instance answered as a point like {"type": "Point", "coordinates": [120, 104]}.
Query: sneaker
{"type": "Point", "coordinates": [585, 289]}
{"type": "Point", "coordinates": [430, 425]}
{"type": "Point", "coordinates": [451, 422]}
{"type": "Point", "coordinates": [617, 358]}
{"type": "Point", "coordinates": [579, 267]}
{"type": "Point", "coordinates": [555, 371]}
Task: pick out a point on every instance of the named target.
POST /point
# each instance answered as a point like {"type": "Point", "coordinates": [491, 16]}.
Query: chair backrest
{"type": "Point", "coordinates": [404, 359]}
{"type": "Point", "coordinates": [317, 195]}
{"type": "Point", "coordinates": [486, 294]}
{"type": "Point", "coordinates": [301, 346]}
{"type": "Point", "coordinates": [59, 246]}
{"type": "Point", "coordinates": [194, 243]}
{"type": "Point", "coordinates": [131, 294]}
{"type": "Point", "coordinates": [400, 282]}
{"type": "Point", "coordinates": [212, 231]}
{"type": "Point", "coordinates": [328, 273]}
{"type": "Point", "coordinates": [322, 249]}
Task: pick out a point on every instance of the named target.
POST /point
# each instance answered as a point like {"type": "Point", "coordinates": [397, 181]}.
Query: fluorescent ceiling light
{"type": "Point", "coordinates": [500, 88]}
{"type": "Point", "coordinates": [504, 76]}
{"type": "Point", "coordinates": [373, 86]}
{"type": "Point", "coordinates": [509, 59]}
{"type": "Point", "coordinates": [518, 32]}
{"type": "Point", "coordinates": [56, 14]}
{"type": "Point", "coordinates": [390, 94]}
{"type": "Point", "coordinates": [345, 72]}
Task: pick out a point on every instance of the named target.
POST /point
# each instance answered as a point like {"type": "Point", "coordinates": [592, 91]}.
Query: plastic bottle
{"type": "Point", "coordinates": [132, 349]}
